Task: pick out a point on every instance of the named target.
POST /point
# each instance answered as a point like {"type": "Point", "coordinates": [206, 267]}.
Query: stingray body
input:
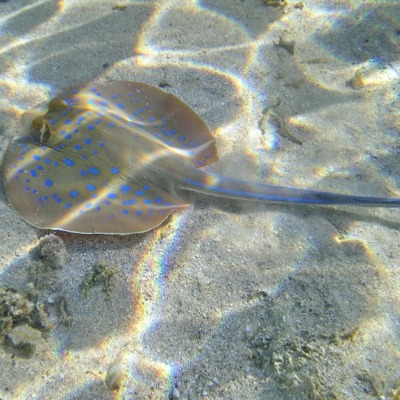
{"type": "Point", "coordinates": [119, 158]}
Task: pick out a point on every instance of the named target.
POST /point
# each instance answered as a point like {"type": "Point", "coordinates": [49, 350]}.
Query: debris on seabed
{"type": "Point", "coordinates": [24, 339]}
{"type": "Point", "coordinates": [119, 7]}
{"type": "Point", "coordinates": [102, 274]}
{"type": "Point", "coordinates": [52, 251]}
{"type": "Point", "coordinates": [275, 3]}
{"type": "Point", "coordinates": [288, 45]}
{"type": "Point", "coordinates": [115, 377]}
{"type": "Point", "coordinates": [274, 116]}
{"type": "Point", "coordinates": [357, 82]}
{"type": "Point", "coordinates": [21, 321]}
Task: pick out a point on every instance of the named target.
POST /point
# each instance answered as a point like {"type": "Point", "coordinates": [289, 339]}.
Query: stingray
{"type": "Point", "coordinates": [120, 158]}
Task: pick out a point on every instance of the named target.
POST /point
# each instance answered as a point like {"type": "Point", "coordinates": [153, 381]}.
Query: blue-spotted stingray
{"type": "Point", "coordinates": [119, 158]}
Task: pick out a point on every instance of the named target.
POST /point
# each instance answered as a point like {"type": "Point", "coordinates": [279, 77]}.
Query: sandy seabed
{"type": "Point", "coordinates": [227, 299]}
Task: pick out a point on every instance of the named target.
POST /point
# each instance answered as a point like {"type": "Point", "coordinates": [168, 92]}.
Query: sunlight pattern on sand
{"type": "Point", "coordinates": [39, 59]}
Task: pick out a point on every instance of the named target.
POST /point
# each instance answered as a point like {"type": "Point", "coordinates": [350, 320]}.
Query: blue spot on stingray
{"type": "Point", "coordinates": [120, 105]}
{"type": "Point", "coordinates": [47, 161]}
{"type": "Point", "coordinates": [87, 141]}
{"type": "Point", "coordinates": [114, 170]}
{"type": "Point", "coordinates": [90, 187]}
{"type": "Point", "coordinates": [104, 103]}
{"type": "Point", "coordinates": [91, 128]}
{"type": "Point", "coordinates": [139, 192]}
{"type": "Point", "coordinates": [107, 202]}
{"type": "Point", "coordinates": [139, 212]}
{"type": "Point", "coordinates": [67, 205]}
{"type": "Point", "coordinates": [33, 173]}
{"type": "Point", "coordinates": [80, 119]}
{"type": "Point", "coordinates": [74, 193]}
{"type": "Point", "coordinates": [147, 201]}
{"type": "Point", "coordinates": [56, 163]}
{"type": "Point", "coordinates": [125, 212]}
{"type": "Point", "coordinates": [129, 202]}
{"type": "Point", "coordinates": [111, 196]}
{"type": "Point", "coordinates": [146, 187]}
{"type": "Point", "coordinates": [36, 157]}
{"type": "Point", "coordinates": [68, 162]}
{"type": "Point", "coordinates": [77, 147]}
{"type": "Point", "coordinates": [88, 205]}
{"type": "Point", "coordinates": [48, 182]}
{"type": "Point", "coordinates": [67, 122]}
{"type": "Point", "coordinates": [68, 136]}
{"type": "Point", "coordinates": [39, 167]}
{"type": "Point", "coordinates": [125, 189]}
{"type": "Point", "coordinates": [111, 124]}
{"type": "Point", "coordinates": [82, 172]}
{"type": "Point", "coordinates": [93, 170]}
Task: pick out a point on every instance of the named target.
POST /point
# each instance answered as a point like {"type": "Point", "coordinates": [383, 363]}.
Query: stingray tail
{"type": "Point", "coordinates": [205, 182]}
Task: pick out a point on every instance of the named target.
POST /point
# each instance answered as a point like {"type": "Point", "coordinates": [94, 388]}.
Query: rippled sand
{"type": "Point", "coordinates": [227, 300]}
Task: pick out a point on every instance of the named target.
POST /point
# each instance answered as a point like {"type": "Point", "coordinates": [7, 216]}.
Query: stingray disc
{"type": "Point", "coordinates": [88, 164]}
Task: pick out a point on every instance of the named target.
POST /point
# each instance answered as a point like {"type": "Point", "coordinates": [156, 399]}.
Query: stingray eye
{"type": "Point", "coordinates": [41, 130]}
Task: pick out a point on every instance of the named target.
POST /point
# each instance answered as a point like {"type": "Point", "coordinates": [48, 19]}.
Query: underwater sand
{"type": "Point", "coordinates": [228, 299]}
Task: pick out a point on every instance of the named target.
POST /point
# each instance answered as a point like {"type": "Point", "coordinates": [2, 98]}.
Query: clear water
{"type": "Point", "coordinates": [227, 300]}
